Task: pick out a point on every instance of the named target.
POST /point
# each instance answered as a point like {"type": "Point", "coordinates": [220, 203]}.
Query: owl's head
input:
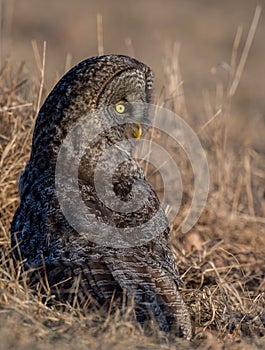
{"type": "Point", "coordinates": [116, 83]}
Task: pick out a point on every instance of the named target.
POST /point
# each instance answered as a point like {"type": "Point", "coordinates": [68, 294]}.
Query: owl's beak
{"type": "Point", "coordinates": [136, 131]}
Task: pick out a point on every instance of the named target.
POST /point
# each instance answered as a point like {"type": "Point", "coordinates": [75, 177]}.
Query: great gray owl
{"type": "Point", "coordinates": [75, 267]}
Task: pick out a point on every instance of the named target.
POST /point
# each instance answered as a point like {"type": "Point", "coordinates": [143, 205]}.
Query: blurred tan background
{"type": "Point", "coordinates": [205, 30]}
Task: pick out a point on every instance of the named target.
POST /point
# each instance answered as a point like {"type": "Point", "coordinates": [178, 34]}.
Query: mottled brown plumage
{"type": "Point", "coordinates": [78, 268]}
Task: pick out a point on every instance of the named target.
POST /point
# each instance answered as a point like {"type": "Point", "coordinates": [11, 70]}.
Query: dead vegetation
{"type": "Point", "coordinates": [221, 259]}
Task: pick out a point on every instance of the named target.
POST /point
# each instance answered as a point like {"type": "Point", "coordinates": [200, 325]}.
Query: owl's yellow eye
{"type": "Point", "coordinates": [120, 107]}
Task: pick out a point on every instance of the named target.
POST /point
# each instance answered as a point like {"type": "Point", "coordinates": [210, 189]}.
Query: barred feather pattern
{"type": "Point", "coordinates": [75, 267]}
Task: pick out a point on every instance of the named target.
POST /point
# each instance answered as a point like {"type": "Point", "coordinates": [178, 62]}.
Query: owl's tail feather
{"type": "Point", "coordinates": [154, 294]}
{"type": "Point", "coordinates": [156, 297]}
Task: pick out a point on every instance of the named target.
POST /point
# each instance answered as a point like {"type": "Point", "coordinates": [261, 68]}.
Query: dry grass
{"type": "Point", "coordinates": [221, 259]}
